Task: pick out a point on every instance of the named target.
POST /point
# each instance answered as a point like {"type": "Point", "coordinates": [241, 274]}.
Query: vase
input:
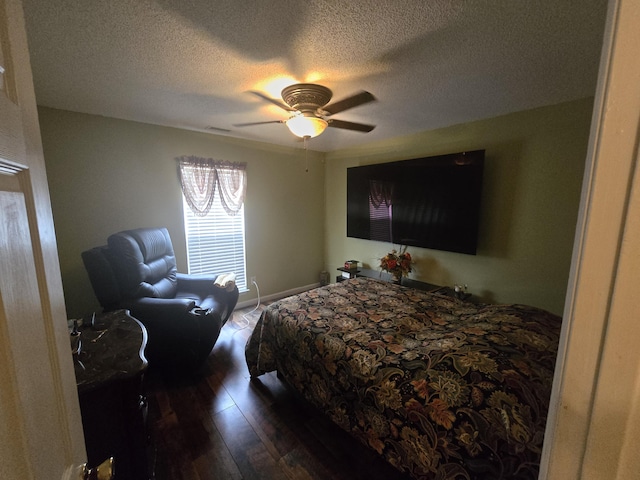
{"type": "Point", "coordinates": [396, 278]}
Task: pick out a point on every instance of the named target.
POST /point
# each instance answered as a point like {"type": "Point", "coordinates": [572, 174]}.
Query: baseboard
{"type": "Point", "coordinates": [276, 296]}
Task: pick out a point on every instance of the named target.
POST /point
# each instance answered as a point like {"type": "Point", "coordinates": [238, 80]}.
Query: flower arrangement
{"type": "Point", "coordinates": [397, 263]}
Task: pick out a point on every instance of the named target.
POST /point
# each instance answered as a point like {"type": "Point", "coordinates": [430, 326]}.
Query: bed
{"type": "Point", "coordinates": [441, 388]}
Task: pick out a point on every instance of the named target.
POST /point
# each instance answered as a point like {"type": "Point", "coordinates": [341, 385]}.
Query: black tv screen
{"type": "Point", "coordinates": [431, 202]}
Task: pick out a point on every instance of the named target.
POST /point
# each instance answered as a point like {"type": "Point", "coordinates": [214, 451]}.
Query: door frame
{"type": "Point", "coordinates": [41, 433]}
{"type": "Point", "coordinates": [594, 415]}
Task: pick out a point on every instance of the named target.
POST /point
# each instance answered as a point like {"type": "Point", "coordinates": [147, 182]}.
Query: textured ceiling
{"type": "Point", "coordinates": [430, 64]}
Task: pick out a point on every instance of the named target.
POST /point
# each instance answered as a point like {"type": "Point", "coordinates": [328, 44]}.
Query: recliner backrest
{"type": "Point", "coordinates": [98, 264]}
{"type": "Point", "coordinates": [144, 262]}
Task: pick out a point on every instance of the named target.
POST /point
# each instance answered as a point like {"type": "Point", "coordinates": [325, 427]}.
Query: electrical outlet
{"type": "Point", "coordinates": [253, 280]}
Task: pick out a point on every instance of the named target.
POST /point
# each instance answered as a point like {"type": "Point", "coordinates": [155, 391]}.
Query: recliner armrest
{"type": "Point", "coordinates": [201, 285]}
{"type": "Point", "coordinates": [166, 307]}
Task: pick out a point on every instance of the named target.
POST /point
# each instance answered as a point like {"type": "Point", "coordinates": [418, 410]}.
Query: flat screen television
{"type": "Point", "coordinates": [431, 202]}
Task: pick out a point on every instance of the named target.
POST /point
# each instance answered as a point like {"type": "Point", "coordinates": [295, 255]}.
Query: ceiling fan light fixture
{"type": "Point", "coordinates": [302, 126]}
{"type": "Point", "coordinates": [308, 106]}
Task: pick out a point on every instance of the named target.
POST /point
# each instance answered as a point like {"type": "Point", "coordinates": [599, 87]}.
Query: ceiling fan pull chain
{"type": "Point", "coordinates": [306, 153]}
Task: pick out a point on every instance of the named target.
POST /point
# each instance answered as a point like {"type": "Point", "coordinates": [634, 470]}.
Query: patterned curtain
{"type": "Point", "coordinates": [199, 177]}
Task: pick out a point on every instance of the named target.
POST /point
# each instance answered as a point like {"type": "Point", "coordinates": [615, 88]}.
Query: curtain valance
{"type": "Point", "coordinates": [200, 176]}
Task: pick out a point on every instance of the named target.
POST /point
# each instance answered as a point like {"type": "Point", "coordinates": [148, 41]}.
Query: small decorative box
{"type": "Point", "coordinates": [351, 264]}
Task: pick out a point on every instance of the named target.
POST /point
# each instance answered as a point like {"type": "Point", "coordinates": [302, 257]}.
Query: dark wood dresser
{"type": "Point", "coordinates": [109, 373]}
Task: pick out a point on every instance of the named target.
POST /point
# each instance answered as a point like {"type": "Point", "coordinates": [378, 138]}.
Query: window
{"type": "Point", "coordinates": [215, 242]}
{"type": "Point", "coordinates": [215, 232]}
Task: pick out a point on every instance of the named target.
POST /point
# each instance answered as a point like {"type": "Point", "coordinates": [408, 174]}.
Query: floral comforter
{"type": "Point", "coordinates": [441, 388]}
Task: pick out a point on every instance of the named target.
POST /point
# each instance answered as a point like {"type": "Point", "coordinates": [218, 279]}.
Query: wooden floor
{"type": "Point", "coordinates": [219, 424]}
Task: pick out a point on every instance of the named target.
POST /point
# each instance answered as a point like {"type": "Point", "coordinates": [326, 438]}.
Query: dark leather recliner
{"type": "Point", "coordinates": [183, 314]}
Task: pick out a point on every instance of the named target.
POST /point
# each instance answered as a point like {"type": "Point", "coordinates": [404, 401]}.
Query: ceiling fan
{"type": "Point", "coordinates": [308, 109]}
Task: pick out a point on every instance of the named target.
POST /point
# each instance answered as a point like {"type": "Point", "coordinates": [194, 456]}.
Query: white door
{"type": "Point", "coordinates": [40, 426]}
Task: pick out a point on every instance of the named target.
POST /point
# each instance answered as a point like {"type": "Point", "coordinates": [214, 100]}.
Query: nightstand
{"type": "Point", "coordinates": [109, 371]}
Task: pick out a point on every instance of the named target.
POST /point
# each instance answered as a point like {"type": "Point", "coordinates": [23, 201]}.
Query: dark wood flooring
{"type": "Point", "coordinates": [218, 424]}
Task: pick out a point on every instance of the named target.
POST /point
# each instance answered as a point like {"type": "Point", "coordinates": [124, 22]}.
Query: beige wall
{"type": "Point", "coordinates": [533, 174]}
{"type": "Point", "coordinates": [107, 175]}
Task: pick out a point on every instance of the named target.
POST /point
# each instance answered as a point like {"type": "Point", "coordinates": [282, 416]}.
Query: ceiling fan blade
{"type": "Point", "coordinates": [350, 102]}
{"type": "Point", "coordinates": [358, 127]}
{"type": "Point", "coordinates": [256, 123]}
{"type": "Point", "coordinates": [274, 101]}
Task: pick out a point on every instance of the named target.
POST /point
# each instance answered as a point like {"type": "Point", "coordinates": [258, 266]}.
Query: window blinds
{"type": "Point", "coordinates": [215, 242]}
